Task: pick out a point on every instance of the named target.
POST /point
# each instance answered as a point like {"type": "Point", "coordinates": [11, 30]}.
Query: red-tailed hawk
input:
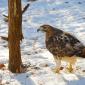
{"type": "Point", "coordinates": [63, 46]}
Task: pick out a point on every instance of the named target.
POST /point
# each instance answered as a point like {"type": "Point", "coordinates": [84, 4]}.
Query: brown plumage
{"type": "Point", "coordinates": [62, 45]}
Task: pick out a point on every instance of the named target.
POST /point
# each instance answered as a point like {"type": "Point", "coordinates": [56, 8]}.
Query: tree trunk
{"type": "Point", "coordinates": [14, 35]}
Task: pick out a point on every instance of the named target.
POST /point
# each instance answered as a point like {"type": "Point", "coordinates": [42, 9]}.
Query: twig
{"type": "Point", "coordinates": [25, 8]}
{"type": "Point", "coordinates": [5, 18]}
{"type": "Point", "coordinates": [4, 38]}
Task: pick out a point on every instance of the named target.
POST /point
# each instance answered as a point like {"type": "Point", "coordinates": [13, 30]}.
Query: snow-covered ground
{"type": "Point", "coordinates": [68, 15]}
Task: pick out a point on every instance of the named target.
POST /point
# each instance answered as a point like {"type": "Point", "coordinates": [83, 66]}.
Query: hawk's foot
{"type": "Point", "coordinates": [57, 70]}
{"type": "Point", "coordinates": [70, 68]}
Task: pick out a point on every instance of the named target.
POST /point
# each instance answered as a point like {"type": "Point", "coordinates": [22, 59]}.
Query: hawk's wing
{"type": "Point", "coordinates": [74, 43]}
{"type": "Point", "coordinates": [64, 44]}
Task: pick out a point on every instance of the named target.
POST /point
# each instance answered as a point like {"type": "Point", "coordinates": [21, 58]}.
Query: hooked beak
{"type": "Point", "coordinates": [40, 29]}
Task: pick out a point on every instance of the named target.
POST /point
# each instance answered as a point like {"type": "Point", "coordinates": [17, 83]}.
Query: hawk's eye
{"type": "Point", "coordinates": [45, 30]}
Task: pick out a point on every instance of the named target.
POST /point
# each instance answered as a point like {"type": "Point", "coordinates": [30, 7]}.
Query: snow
{"type": "Point", "coordinates": [68, 15]}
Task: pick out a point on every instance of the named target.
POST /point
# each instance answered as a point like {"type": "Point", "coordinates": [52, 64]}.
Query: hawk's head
{"type": "Point", "coordinates": [45, 28]}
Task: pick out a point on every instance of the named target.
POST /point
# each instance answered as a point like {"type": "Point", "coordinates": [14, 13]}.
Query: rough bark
{"type": "Point", "coordinates": [14, 35]}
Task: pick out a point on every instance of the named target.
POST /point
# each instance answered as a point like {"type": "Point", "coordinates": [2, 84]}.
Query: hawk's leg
{"type": "Point", "coordinates": [58, 64]}
{"type": "Point", "coordinates": [71, 61]}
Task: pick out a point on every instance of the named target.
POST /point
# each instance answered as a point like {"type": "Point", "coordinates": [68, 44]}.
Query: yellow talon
{"type": "Point", "coordinates": [70, 69]}
{"type": "Point", "coordinates": [57, 70]}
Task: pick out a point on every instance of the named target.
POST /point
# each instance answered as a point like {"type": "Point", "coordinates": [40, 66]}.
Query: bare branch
{"type": "Point", "coordinates": [25, 8]}
{"type": "Point", "coordinates": [4, 38]}
{"type": "Point", "coordinates": [5, 18]}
